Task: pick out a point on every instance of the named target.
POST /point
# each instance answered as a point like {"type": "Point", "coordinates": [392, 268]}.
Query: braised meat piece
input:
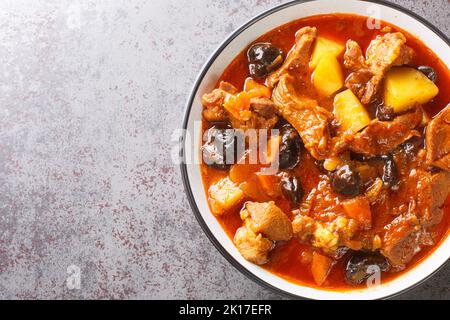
{"type": "Point", "coordinates": [263, 223]}
{"type": "Point", "coordinates": [268, 219]}
{"type": "Point", "coordinates": [263, 115]}
{"type": "Point", "coordinates": [438, 140]}
{"type": "Point", "coordinates": [242, 109]}
{"type": "Point", "coordinates": [382, 137]}
{"type": "Point", "coordinates": [304, 114]}
{"type": "Point", "coordinates": [388, 50]}
{"type": "Point", "coordinates": [440, 187]}
{"type": "Point", "coordinates": [212, 102]}
{"type": "Point", "coordinates": [324, 222]}
{"type": "Point", "coordinates": [367, 73]}
{"type": "Point", "coordinates": [298, 58]}
{"type": "Point", "coordinates": [253, 247]}
{"type": "Point", "coordinates": [402, 241]}
{"type": "Point", "coordinates": [354, 58]}
{"type": "Point", "coordinates": [406, 234]}
{"type": "Point", "coordinates": [263, 107]}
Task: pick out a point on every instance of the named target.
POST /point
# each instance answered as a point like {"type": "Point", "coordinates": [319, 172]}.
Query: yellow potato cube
{"type": "Point", "coordinates": [224, 195]}
{"type": "Point", "coordinates": [349, 112]}
{"type": "Point", "coordinates": [322, 47]}
{"type": "Point", "coordinates": [327, 77]}
{"type": "Point", "coordinates": [405, 86]}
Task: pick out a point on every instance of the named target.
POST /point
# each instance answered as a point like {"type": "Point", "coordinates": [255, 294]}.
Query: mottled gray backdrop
{"type": "Point", "coordinates": [91, 92]}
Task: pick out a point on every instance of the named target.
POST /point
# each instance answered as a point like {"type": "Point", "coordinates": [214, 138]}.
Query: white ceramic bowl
{"type": "Point", "coordinates": [212, 70]}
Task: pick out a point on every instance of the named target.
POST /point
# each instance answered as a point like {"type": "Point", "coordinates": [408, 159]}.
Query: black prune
{"type": "Point", "coordinates": [219, 146]}
{"type": "Point", "coordinates": [429, 72]}
{"type": "Point", "coordinates": [362, 265]}
{"type": "Point", "coordinates": [291, 189]}
{"type": "Point", "coordinates": [390, 172]}
{"type": "Point", "coordinates": [263, 58]}
{"type": "Point", "coordinates": [346, 181]}
{"type": "Point", "coordinates": [290, 147]}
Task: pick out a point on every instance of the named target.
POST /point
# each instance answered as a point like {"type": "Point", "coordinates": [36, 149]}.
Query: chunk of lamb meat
{"type": "Point", "coordinates": [440, 189]}
{"type": "Point", "coordinates": [367, 73]}
{"type": "Point", "coordinates": [382, 137]}
{"type": "Point", "coordinates": [324, 223]}
{"type": "Point", "coordinates": [299, 56]}
{"type": "Point", "coordinates": [438, 140]}
{"type": "Point", "coordinates": [212, 102]}
{"type": "Point", "coordinates": [268, 219]}
{"type": "Point", "coordinates": [253, 247]}
{"type": "Point", "coordinates": [401, 241]}
{"type": "Point", "coordinates": [327, 236]}
{"type": "Point", "coordinates": [304, 114]}
{"type": "Point", "coordinates": [263, 223]}
{"type": "Point", "coordinates": [405, 236]}
{"type": "Point", "coordinates": [263, 115]}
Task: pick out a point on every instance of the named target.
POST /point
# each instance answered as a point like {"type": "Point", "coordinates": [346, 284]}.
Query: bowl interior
{"type": "Point", "coordinates": [205, 83]}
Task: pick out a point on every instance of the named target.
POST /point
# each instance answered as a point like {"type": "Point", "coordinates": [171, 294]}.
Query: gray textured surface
{"type": "Point", "coordinates": [90, 94]}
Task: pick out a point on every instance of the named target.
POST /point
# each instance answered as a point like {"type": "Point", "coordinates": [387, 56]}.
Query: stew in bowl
{"type": "Point", "coordinates": [326, 151]}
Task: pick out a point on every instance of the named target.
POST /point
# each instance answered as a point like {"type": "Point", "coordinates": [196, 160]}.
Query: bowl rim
{"type": "Point", "coordinates": [187, 111]}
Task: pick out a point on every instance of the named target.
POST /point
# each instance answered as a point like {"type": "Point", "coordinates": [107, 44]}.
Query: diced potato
{"type": "Point", "coordinates": [322, 47]}
{"type": "Point", "coordinates": [327, 77]}
{"type": "Point", "coordinates": [349, 112]}
{"type": "Point", "coordinates": [358, 209]}
{"type": "Point", "coordinates": [224, 195]}
{"type": "Point", "coordinates": [405, 86]}
{"type": "Point", "coordinates": [320, 267]}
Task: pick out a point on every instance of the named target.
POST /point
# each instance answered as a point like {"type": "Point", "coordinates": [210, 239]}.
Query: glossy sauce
{"type": "Point", "coordinates": [287, 259]}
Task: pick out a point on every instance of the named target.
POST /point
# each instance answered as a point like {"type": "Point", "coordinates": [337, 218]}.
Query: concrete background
{"type": "Point", "coordinates": [90, 93]}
